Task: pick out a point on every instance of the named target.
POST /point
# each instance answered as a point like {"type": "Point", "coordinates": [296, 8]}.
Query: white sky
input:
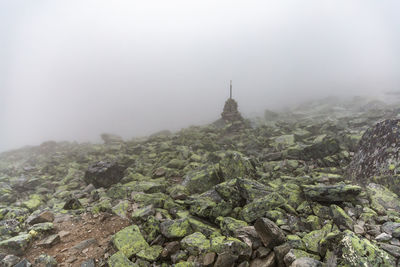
{"type": "Point", "coordinates": [70, 70]}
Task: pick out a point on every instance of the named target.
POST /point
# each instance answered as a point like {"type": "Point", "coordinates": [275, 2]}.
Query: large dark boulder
{"type": "Point", "coordinates": [104, 174]}
{"type": "Point", "coordinates": [377, 158]}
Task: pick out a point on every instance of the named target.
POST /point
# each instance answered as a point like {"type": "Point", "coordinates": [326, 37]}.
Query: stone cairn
{"type": "Point", "coordinates": [231, 112]}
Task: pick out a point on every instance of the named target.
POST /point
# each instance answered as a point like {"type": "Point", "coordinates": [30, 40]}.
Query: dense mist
{"type": "Point", "coordinates": [70, 70]}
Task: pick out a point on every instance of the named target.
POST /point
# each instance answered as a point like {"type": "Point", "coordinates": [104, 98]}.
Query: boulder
{"type": "Point", "coordinates": [196, 243]}
{"type": "Point", "coordinates": [119, 259]}
{"type": "Point", "coordinates": [16, 245]}
{"type": "Point", "coordinates": [260, 206]}
{"type": "Point", "coordinates": [45, 216]}
{"type": "Point", "coordinates": [202, 179]}
{"type": "Point", "coordinates": [104, 174]}
{"type": "Point", "coordinates": [331, 193]}
{"type": "Point", "coordinates": [129, 241]}
{"type": "Point", "coordinates": [271, 235]}
{"type": "Point", "coordinates": [382, 199]}
{"type": "Point", "coordinates": [176, 228]}
{"type": "Point", "coordinates": [377, 157]}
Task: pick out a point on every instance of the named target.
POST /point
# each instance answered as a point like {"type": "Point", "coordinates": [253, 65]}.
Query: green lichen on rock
{"type": "Point", "coordinates": [33, 202]}
{"type": "Point", "coordinates": [120, 260]}
{"type": "Point", "coordinates": [312, 239]}
{"type": "Point", "coordinates": [176, 228]}
{"type": "Point", "coordinates": [121, 209]}
{"type": "Point", "coordinates": [259, 207]}
{"type": "Point", "coordinates": [228, 225]}
{"type": "Point", "coordinates": [129, 241]}
{"type": "Point", "coordinates": [151, 253]}
{"type": "Point", "coordinates": [332, 193]}
{"type": "Point", "coordinates": [340, 217]}
{"type": "Point", "coordinates": [196, 243]}
{"type": "Point", "coordinates": [382, 198]}
{"type": "Point", "coordinates": [17, 244]}
{"type": "Point", "coordinates": [361, 252]}
{"type": "Point", "coordinates": [233, 246]}
{"type": "Point", "coordinates": [203, 179]}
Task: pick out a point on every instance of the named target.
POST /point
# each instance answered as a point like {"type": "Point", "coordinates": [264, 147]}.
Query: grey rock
{"type": "Point", "coordinates": [9, 261]}
{"type": "Point", "coordinates": [271, 235]}
{"type": "Point", "coordinates": [23, 263]}
{"type": "Point", "coordinates": [302, 262]}
{"type": "Point", "coordinates": [391, 249]}
{"type": "Point", "coordinates": [269, 261]}
{"type": "Point", "coordinates": [225, 260]}
{"type": "Point", "coordinates": [49, 241]}
{"type": "Point", "coordinates": [104, 174]}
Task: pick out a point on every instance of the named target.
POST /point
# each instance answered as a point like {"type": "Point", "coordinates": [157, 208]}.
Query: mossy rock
{"type": "Point", "coordinates": [229, 225]}
{"type": "Point", "coordinates": [196, 243]}
{"type": "Point", "coordinates": [382, 198]}
{"type": "Point", "coordinates": [234, 164]}
{"type": "Point", "coordinates": [142, 214]}
{"type": "Point", "coordinates": [176, 228]}
{"type": "Point", "coordinates": [33, 203]}
{"type": "Point", "coordinates": [120, 260]}
{"type": "Point", "coordinates": [121, 209]}
{"type": "Point", "coordinates": [356, 251]}
{"type": "Point", "coordinates": [312, 239]}
{"type": "Point", "coordinates": [155, 199]}
{"type": "Point", "coordinates": [151, 253]}
{"type": "Point", "coordinates": [295, 242]}
{"type": "Point", "coordinates": [129, 240]}
{"type": "Point", "coordinates": [332, 193]}
{"type": "Point", "coordinates": [42, 227]}
{"type": "Point", "coordinates": [203, 227]}
{"type": "Point", "coordinates": [16, 245]}
{"type": "Point", "coordinates": [223, 244]}
{"type": "Point", "coordinates": [340, 217]}
{"type": "Point", "coordinates": [103, 205]}
{"type": "Point", "coordinates": [203, 179]}
{"type": "Point", "coordinates": [259, 207]}
{"type": "Point", "coordinates": [151, 227]}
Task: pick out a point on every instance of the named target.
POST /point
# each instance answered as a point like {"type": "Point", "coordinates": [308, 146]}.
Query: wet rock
{"type": "Point", "coordinates": [49, 241]}
{"type": "Point", "coordinates": [271, 235]}
{"type": "Point", "coordinates": [176, 228]}
{"type": "Point", "coordinates": [332, 193]}
{"type": "Point", "coordinates": [104, 174]}
{"type": "Point", "coordinates": [16, 245]}
{"type": "Point", "coordinates": [45, 216]}
{"type": "Point", "coordinates": [129, 241]}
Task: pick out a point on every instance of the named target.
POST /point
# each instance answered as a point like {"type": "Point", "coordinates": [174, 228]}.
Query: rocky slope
{"type": "Point", "coordinates": [291, 189]}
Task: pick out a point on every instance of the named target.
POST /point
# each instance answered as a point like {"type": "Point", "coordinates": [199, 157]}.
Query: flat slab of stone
{"type": "Point", "coordinates": [332, 193]}
{"type": "Point", "coordinates": [49, 241]}
{"type": "Point", "coordinates": [16, 245]}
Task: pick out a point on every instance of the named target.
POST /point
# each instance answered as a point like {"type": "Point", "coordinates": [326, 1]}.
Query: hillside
{"type": "Point", "coordinates": [295, 188]}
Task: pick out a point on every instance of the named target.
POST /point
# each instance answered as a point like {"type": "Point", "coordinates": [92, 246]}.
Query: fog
{"type": "Point", "coordinates": [70, 70]}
